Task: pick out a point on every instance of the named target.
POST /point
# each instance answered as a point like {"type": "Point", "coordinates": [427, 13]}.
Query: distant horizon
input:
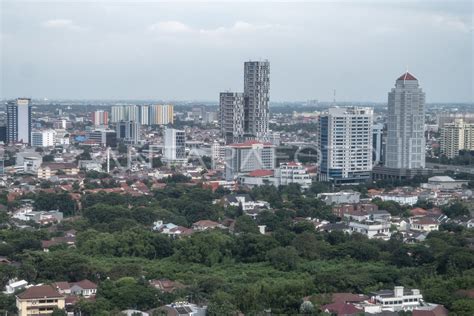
{"type": "Point", "coordinates": [216, 102]}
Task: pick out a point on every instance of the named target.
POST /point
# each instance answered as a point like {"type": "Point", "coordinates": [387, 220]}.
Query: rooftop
{"type": "Point", "coordinates": [407, 76]}
{"type": "Point", "coordinates": [41, 291]}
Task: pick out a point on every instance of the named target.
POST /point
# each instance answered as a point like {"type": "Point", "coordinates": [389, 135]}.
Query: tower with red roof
{"type": "Point", "coordinates": [405, 124]}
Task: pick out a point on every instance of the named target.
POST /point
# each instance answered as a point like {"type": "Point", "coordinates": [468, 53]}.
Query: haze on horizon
{"type": "Point", "coordinates": [194, 50]}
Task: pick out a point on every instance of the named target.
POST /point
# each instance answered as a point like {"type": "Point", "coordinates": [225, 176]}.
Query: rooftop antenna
{"type": "Point", "coordinates": [334, 97]}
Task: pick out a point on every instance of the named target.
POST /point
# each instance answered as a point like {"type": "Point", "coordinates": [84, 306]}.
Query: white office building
{"type": "Point", "coordinates": [46, 138]}
{"type": "Point", "coordinates": [174, 146]}
{"type": "Point", "coordinates": [345, 140]}
{"type": "Point", "coordinates": [247, 157]}
{"type": "Point", "coordinates": [405, 125]}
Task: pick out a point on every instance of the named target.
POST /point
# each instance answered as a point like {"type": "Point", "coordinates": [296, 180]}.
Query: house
{"type": "Point", "coordinates": [14, 285]}
{"type": "Point", "coordinates": [244, 200]}
{"type": "Point", "coordinates": [341, 309]}
{"type": "Point", "coordinates": [134, 312]}
{"type": "Point", "coordinates": [65, 240]}
{"type": "Point", "coordinates": [348, 298]}
{"type": "Point", "coordinates": [343, 197]}
{"type": "Point", "coordinates": [166, 286]}
{"type": "Point", "coordinates": [39, 300]}
{"type": "Point", "coordinates": [371, 229]}
{"type": "Point", "coordinates": [430, 310]}
{"type": "Point", "coordinates": [424, 224]}
{"type": "Point", "coordinates": [183, 309]}
{"type": "Point", "coordinates": [398, 299]}
{"type": "Point", "coordinates": [206, 224]}
{"type": "Point", "coordinates": [341, 209]}
{"type": "Point", "coordinates": [85, 288]}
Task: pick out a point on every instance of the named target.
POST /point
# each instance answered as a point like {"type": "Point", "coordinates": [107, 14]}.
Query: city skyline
{"type": "Point", "coordinates": [163, 52]}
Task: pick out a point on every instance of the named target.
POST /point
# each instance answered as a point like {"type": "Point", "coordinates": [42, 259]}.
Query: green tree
{"type": "Point", "coordinates": [283, 258]}
{"type": "Point", "coordinates": [245, 224]}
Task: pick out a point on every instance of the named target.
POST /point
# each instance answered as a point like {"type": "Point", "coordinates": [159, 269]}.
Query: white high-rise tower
{"type": "Point", "coordinates": [405, 126]}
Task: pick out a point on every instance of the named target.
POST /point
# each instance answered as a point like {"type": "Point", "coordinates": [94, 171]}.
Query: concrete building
{"type": "Point", "coordinates": [129, 113]}
{"type": "Point", "coordinates": [345, 141]}
{"type": "Point", "coordinates": [287, 173]}
{"type": "Point", "coordinates": [46, 138]}
{"type": "Point", "coordinates": [343, 197]}
{"type": "Point", "coordinates": [257, 98]}
{"type": "Point", "coordinates": [39, 300]}
{"type": "Point", "coordinates": [19, 121]}
{"type": "Point", "coordinates": [128, 131]}
{"type": "Point", "coordinates": [398, 299]}
{"type": "Point", "coordinates": [161, 114]}
{"type": "Point", "coordinates": [247, 157]}
{"type": "Point", "coordinates": [174, 146]}
{"type": "Point", "coordinates": [231, 116]}
{"type": "Point", "coordinates": [456, 136]}
{"type": "Point", "coordinates": [444, 183]}
{"type": "Point", "coordinates": [49, 169]}
{"type": "Point", "coordinates": [405, 125]}
{"type": "Point", "coordinates": [371, 229]}
{"type": "Point", "coordinates": [293, 172]}
{"type": "Point", "coordinates": [378, 144]}
{"type": "Point", "coordinates": [100, 118]}
{"type": "Point", "coordinates": [103, 137]}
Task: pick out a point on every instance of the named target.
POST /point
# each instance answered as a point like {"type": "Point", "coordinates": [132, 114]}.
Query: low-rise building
{"type": "Point", "coordinates": [424, 224]}
{"type": "Point", "coordinates": [39, 300]}
{"type": "Point", "coordinates": [398, 299]}
{"type": "Point", "coordinates": [343, 197]}
{"type": "Point", "coordinates": [47, 170]}
{"type": "Point", "coordinates": [206, 224]}
{"type": "Point", "coordinates": [14, 285]}
{"type": "Point", "coordinates": [371, 229]}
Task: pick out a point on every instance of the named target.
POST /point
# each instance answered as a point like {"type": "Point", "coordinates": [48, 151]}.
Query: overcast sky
{"type": "Point", "coordinates": [194, 50]}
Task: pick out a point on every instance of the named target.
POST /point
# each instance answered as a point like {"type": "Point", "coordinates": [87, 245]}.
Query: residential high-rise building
{"type": "Point", "coordinates": [125, 113]}
{"type": "Point", "coordinates": [174, 146]}
{"type": "Point", "coordinates": [249, 156]}
{"type": "Point", "coordinates": [19, 121]}
{"type": "Point", "coordinates": [128, 131]}
{"type": "Point", "coordinates": [46, 138]}
{"type": "Point", "coordinates": [456, 136]}
{"type": "Point", "coordinates": [144, 115]}
{"type": "Point", "coordinates": [100, 118]}
{"type": "Point", "coordinates": [405, 125]}
{"type": "Point", "coordinates": [161, 114]}
{"type": "Point", "coordinates": [256, 92]}
{"type": "Point", "coordinates": [378, 143]}
{"type": "Point", "coordinates": [345, 140]}
{"type": "Point", "coordinates": [231, 116]}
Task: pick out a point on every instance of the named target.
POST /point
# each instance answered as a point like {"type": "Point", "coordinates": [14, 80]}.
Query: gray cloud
{"type": "Point", "coordinates": [194, 50]}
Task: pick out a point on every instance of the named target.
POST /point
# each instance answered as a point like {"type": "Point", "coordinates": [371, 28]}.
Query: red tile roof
{"type": "Point", "coordinates": [348, 297]}
{"type": "Point", "coordinates": [249, 143]}
{"type": "Point", "coordinates": [86, 284]}
{"type": "Point", "coordinates": [439, 310]}
{"type": "Point", "coordinates": [41, 291]}
{"type": "Point", "coordinates": [341, 309]}
{"type": "Point", "coordinates": [261, 173]}
{"type": "Point", "coordinates": [407, 76]}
